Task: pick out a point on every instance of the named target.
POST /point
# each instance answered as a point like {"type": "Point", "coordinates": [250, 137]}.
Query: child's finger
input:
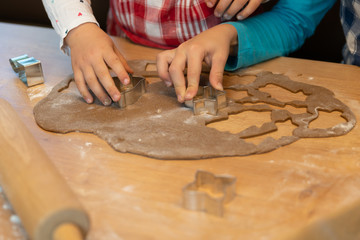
{"type": "Point", "coordinates": [82, 87]}
{"type": "Point", "coordinates": [114, 62]}
{"type": "Point", "coordinates": [95, 86]}
{"type": "Point", "coordinates": [102, 72]}
{"type": "Point", "coordinates": [221, 6]}
{"type": "Point", "coordinates": [163, 61]}
{"type": "Point", "coordinates": [235, 7]}
{"type": "Point", "coordinates": [123, 60]}
{"type": "Point", "coordinates": [210, 3]}
{"type": "Point", "coordinates": [195, 60]}
{"type": "Point", "coordinates": [249, 9]}
{"type": "Point", "coordinates": [217, 72]}
{"type": "Point", "coordinates": [176, 71]}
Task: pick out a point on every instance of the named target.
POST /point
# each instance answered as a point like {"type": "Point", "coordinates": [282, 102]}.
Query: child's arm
{"type": "Point", "coordinates": [92, 50]}
{"type": "Point", "coordinates": [262, 37]}
{"type": "Point", "coordinates": [277, 32]}
{"type": "Point", "coordinates": [66, 15]}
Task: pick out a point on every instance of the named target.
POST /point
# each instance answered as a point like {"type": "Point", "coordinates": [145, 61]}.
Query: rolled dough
{"type": "Point", "coordinates": [158, 126]}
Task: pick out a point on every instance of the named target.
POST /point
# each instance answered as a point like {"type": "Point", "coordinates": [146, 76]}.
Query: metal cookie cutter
{"type": "Point", "coordinates": [207, 100]}
{"type": "Point", "coordinates": [28, 69]}
{"type": "Point", "coordinates": [132, 92]}
{"type": "Point", "coordinates": [209, 192]}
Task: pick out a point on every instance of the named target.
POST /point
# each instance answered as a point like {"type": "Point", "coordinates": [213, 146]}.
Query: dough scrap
{"type": "Point", "coordinates": [158, 126]}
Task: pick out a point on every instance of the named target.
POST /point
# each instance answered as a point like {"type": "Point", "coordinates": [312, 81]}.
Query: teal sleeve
{"type": "Point", "coordinates": [277, 32]}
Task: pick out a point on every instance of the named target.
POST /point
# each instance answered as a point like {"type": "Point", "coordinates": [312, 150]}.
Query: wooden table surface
{"type": "Point", "coordinates": [309, 186]}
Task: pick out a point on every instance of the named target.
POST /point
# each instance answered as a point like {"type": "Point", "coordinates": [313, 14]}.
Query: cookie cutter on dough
{"type": "Point", "coordinates": [209, 192]}
{"type": "Point", "coordinates": [131, 92]}
{"type": "Point", "coordinates": [207, 100]}
{"type": "Point", "coordinates": [28, 69]}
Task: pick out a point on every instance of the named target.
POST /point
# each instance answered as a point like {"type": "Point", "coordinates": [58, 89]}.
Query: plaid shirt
{"type": "Point", "coordinates": [350, 19]}
{"type": "Point", "coordinates": [155, 23]}
{"type": "Point", "coordinates": [160, 23]}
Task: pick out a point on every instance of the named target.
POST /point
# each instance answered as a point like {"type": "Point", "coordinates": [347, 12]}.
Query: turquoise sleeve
{"type": "Point", "coordinates": [277, 32]}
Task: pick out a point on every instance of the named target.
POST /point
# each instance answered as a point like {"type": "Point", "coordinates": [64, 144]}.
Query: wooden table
{"type": "Point", "coordinates": [307, 186]}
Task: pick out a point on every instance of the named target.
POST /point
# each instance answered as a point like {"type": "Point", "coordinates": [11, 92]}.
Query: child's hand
{"type": "Point", "coordinates": [228, 8]}
{"type": "Point", "coordinates": [211, 46]}
{"type": "Point", "coordinates": [92, 54]}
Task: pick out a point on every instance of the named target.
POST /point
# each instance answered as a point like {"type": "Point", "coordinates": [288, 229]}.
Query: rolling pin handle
{"type": "Point", "coordinates": [68, 231]}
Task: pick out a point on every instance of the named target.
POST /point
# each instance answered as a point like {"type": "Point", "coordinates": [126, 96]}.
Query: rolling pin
{"type": "Point", "coordinates": [47, 207]}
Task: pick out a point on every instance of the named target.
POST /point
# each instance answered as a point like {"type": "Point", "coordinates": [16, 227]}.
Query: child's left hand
{"type": "Point", "coordinates": [228, 8]}
{"type": "Point", "coordinates": [211, 46]}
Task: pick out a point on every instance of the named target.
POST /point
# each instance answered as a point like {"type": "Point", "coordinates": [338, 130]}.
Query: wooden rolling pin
{"type": "Point", "coordinates": [38, 194]}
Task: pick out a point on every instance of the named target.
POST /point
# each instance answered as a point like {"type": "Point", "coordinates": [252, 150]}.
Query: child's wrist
{"type": "Point", "coordinates": [233, 37]}
{"type": "Point", "coordinates": [77, 31]}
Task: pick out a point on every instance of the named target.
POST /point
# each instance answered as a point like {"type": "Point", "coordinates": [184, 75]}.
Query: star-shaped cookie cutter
{"type": "Point", "coordinates": [209, 192]}
{"type": "Point", "coordinates": [207, 100]}
{"type": "Point", "coordinates": [28, 69]}
{"type": "Point", "coordinates": [131, 92]}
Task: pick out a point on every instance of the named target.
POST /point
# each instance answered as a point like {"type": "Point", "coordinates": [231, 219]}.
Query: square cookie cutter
{"type": "Point", "coordinates": [131, 92]}
{"type": "Point", "coordinates": [28, 69]}
{"type": "Point", "coordinates": [207, 100]}
{"type": "Point", "coordinates": [209, 192]}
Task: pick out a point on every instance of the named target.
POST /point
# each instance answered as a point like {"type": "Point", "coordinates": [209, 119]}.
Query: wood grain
{"type": "Point", "coordinates": [282, 193]}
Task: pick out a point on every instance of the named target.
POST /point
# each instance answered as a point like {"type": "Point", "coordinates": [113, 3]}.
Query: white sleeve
{"type": "Point", "coordinates": [68, 14]}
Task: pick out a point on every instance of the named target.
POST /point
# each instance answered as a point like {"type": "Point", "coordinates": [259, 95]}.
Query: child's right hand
{"type": "Point", "coordinates": [228, 8]}
{"type": "Point", "coordinates": [92, 54]}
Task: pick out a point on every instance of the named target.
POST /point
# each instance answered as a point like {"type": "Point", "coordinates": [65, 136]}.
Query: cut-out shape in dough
{"type": "Point", "coordinates": [158, 126]}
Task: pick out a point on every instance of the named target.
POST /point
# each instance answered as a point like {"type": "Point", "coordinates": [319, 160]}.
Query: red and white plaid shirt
{"type": "Point", "coordinates": [160, 23]}
{"type": "Point", "coordinates": [155, 23]}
